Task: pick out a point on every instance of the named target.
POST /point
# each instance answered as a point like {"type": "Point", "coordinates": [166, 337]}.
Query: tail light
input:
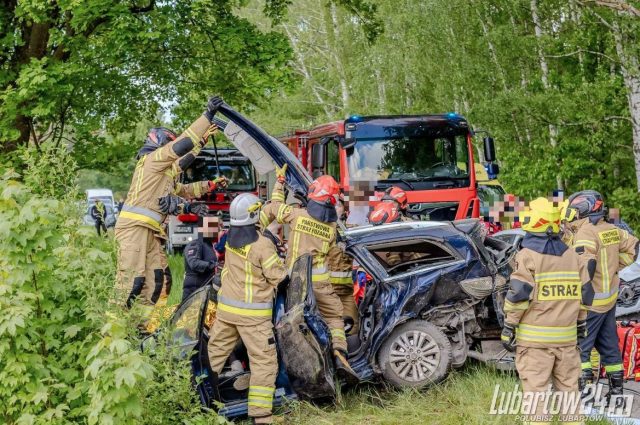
{"type": "Point", "coordinates": [188, 218]}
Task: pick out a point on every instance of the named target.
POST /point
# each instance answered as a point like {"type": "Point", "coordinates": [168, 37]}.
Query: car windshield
{"type": "Point", "coordinates": [241, 176]}
{"type": "Point", "coordinates": [410, 159]}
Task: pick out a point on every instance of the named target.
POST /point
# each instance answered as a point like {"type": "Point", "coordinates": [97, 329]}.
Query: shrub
{"type": "Point", "coordinates": [67, 355]}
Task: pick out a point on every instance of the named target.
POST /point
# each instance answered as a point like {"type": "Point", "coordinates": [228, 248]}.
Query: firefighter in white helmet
{"type": "Point", "coordinates": [251, 273]}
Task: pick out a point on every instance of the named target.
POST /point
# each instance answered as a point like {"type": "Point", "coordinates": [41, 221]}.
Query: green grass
{"type": "Point", "coordinates": [463, 398]}
{"type": "Point", "coordinates": [176, 263]}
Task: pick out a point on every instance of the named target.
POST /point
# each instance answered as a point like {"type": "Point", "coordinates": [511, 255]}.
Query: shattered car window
{"type": "Point", "coordinates": [403, 257]}
{"type": "Point", "coordinates": [186, 321]}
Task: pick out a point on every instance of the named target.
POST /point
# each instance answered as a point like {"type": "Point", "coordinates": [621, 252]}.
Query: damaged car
{"type": "Point", "coordinates": [438, 303]}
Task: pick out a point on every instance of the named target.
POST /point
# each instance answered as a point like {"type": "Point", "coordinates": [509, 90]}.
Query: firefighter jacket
{"type": "Point", "coordinates": [605, 249]}
{"type": "Point", "coordinates": [98, 212]}
{"type": "Point", "coordinates": [249, 278]}
{"type": "Point", "coordinates": [307, 236]}
{"type": "Point", "coordinates": [548, 293]}
{"type": "Point", "coordinates": [340, 266]}
{"type": "Point", "coordinates": [153, 178]}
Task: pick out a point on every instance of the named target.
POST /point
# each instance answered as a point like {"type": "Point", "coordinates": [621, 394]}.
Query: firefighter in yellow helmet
{"type": "Point", "coordinates": [140, 275]}
{"type": "Point", "coordinates": [605, 249]}
{"type": "Point", "coordinates": [251, 273]}
{"type": "Point", "coordinates": [313, 231]}
{"type": "Point", "coordinates": [545, 309]}
{"type": "Point", "coordinates": [341, 277]}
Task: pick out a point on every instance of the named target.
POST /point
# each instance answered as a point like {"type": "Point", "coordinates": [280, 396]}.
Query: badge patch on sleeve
{"type": "Point", "coordinates": [610, 237]}
{"type": "Point", "coordinates": [556, 291]}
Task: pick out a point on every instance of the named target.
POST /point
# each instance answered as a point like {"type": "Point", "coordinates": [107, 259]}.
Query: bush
{"type": "Point", "coordinates": [628, 200]}
{"type": "Point", "coordinates": [66, 354]}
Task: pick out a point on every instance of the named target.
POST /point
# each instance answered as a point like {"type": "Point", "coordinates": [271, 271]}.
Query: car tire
{"type": "Point", "coordinates": [415, 355]}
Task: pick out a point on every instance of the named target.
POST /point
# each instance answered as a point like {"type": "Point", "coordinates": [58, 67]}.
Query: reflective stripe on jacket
{"type": "Point", "coordinates": [547, 295]}
{"type": "Point", "coordinates": [307, 236]}
{"type": "Point", "coordinates": [612, 249]}
{"type": "Point", "coordinates": [249, 277]}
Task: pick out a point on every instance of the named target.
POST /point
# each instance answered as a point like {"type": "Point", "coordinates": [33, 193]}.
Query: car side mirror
{"type": "Point", "coordinates": [317, 156]}
{"type": "Point", "coordinates": [489, 149]}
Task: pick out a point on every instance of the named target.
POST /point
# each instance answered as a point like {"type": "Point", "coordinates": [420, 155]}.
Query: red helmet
{"type": "Point", "coordinates": [396, 194]}
{"type": "Point", "coordinates": [159, 136]}
{"type": "Point", "coordinates": [384, 212]}
{"type": "Point", "coordinates": [324, 189]}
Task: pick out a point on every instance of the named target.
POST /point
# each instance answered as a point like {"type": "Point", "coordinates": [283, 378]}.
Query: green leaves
{"type": "Point", "coordinates": [67, 354]}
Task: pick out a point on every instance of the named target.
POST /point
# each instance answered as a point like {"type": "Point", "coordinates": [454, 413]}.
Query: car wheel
{"type": "Point", "coordinates": [417, 354]}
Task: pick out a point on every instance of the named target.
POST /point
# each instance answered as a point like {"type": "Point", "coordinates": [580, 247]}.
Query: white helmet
{"type": "Point", "coordinates": [239, 210]}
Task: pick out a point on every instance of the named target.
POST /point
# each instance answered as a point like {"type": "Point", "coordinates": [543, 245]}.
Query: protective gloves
{"type": "Point", "coordinates": [508, 337]}
{"type": "Point", "coordinates": [212, 130]}
{"type": "Point", "coordinates": [281, 173]}
{"type": "Point", "coordinates": [582, 331]}
{"type": "Point", "coordinates": [222, 182]}
{"type": "Point", "coordinates": [197, 209]}
{"type": "Point", "coordinates": [212, 107]}
{"type": "Point", "coordinates": [171, 205]}
{"type": "Point", "coordinates": [175, 205]}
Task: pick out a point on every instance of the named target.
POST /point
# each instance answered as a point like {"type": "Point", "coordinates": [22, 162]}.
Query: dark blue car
{"type": "Point", "coordinates": [434, 299]}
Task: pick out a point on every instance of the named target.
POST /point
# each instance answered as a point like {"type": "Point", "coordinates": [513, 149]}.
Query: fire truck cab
{"type": "Point", "coordinates": [429, 156]}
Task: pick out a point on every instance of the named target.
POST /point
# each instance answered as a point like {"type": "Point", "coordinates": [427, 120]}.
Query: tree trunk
{"type": "Point", "coordinates": [333, 34]}
{"type": "Point", "coordinates": [631, 74]}
{"type": "Point", "coordinates": [302, 68]}
{"type": "Point", "coordinates": [544, 68]}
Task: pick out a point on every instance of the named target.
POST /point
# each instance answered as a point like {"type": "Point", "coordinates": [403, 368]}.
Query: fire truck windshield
{"type": "Point", "coordinates": [423, 162]}
{"type": "Point", "coordinates": [241, 176]}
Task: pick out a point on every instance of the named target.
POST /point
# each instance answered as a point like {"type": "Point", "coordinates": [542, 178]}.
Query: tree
{"type": "Point", "coordinates": [73, 71]}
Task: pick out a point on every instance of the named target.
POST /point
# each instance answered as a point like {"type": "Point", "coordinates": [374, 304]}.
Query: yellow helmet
{"type": "Point", "coordinates": [541, 217]}
{"type": "Point", "coordinates": [567, 213]}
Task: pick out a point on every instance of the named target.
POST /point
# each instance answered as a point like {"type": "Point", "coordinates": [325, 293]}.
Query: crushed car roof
{"type": "Point", "coordinates": [372, 234]}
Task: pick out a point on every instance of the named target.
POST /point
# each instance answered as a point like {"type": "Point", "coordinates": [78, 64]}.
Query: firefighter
{"type": "Point", "coordinates": [251, 273]}
{"type": "Point", "coordinates": [399, 196]}
{"type": "Point", "coordinates": [545, 308]}
{"type": "Point", "coordinates": [385, 212]}
{"type": "Point", "coordinates": [139, 271]}
{"type": "Point", "coordinates": [99, 215]}
{"type": "Point", "coordinates": [200, 259]}
{"type": "Point", "coordinates": [605, 249]}
{"type": "Point", "coordinates": [341, 277]}
{"type": "Point", "coordinates": [313, 231]}
{"type": "Point", "coordinates": [391, 208]}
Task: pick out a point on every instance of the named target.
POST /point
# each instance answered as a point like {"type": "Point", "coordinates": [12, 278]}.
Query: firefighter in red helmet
{"type": "Point", "coordinates": [313, 231]}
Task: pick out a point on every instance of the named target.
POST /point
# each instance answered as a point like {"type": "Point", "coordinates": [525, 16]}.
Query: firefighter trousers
{"type": "Point", "coordinates": [602, 334]}
{"type": "Point", "coordinates": [539, 368]}
{"type": "Point", "coordinates": [330, 307]}
{"type": "Point", "coordinates": [140, 275]}
{"type": "Point", "coordinates": [349, 308]}
{"type": "Point", "coordinates": [263, 361]}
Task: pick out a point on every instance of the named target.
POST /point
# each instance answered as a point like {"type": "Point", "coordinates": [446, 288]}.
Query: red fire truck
{"type": "Point", "coordinates": [430, 156]}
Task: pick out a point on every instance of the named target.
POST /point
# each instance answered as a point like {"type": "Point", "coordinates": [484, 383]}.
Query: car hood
{"type": "Point", "coordinates": [263, 150]}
